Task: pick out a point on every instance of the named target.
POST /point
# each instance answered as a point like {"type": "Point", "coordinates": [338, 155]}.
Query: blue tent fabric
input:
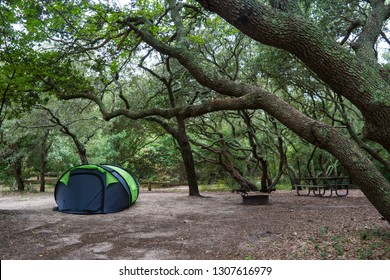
{"type": "Point", "coordinates": [85, 191]}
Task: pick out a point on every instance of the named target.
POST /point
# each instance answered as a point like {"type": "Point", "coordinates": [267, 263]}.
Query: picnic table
{"type": "Point", "coordinates": [322, 186]}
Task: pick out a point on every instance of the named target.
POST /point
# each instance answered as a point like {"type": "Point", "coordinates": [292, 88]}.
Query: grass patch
{"type": "Point", "coordinates": [29, 188]}
{"type": "Point", "coordinates": [283, 187]}
{"type": "Point", "coordinates": [220, 187]}
{"type": "Point", "coordinates": [227, 186]}
{"type": "Point", "coordinates": [369, 244]}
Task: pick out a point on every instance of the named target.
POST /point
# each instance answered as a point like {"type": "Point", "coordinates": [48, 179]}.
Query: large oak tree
{"type": "Point", "coordinates": [356, 76]}
{"type": "Point", "coordinates": [346, 64]}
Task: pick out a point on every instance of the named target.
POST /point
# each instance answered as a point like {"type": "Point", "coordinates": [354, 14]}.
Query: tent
{"type": "Point", "coordinates": [94, 189]}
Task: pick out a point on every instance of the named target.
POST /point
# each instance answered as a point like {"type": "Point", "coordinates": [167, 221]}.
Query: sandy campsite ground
{"type": "Point", "coordinates": [172, 225]}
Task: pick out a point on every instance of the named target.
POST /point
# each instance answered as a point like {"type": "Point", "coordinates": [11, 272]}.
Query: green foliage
{"type": "Point", "coordinates": [151, 156]}
{"type": "Point", "coordinates": [159, 161]}
{"type": "Point", "coordinates": [51, 47]}
{"type": "Point", "coordinates": [62, 155]}
{"type": "Point", "coordinates": [15, 146]}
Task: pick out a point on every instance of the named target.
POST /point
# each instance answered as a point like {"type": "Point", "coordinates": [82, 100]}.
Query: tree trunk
{"type": "Point", "coordinates": [189, 165]}
{"type": "Point", "coordinates": [255, 143]}
{"type": "Point", "coordinates": [180, 135]}
{"type": "Point", "coordinates": [42, 179]}
{"type": "Point", "coordinates": [188, 159]}
{"type": "Point", "coordinates": [282, 158]}
{"type": "Point", "coordinates": [18, 171]}
{"type": "Point", "coordinates": [81, 151]}
{"type": "Point", "coordinates": [43, 160]}
{"type": "Point", "coordinates": [264, 175]}
{"type": "Point", "coordinates": [321, 163]}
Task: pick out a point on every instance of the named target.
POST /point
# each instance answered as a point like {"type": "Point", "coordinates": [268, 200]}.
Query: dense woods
{"type": "Point", "coordinates": [248, 93]}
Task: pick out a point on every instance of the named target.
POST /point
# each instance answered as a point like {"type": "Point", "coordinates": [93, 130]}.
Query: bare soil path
{"type": "Point", "coordinates": [172, 225]}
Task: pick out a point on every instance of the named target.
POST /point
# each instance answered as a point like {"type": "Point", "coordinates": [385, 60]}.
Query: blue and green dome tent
{"type": "Point", "coordinates": [95, 189]}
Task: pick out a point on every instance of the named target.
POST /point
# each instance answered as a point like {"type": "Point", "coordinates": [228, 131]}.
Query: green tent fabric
{"type": "Point", "coordinates": [90, 188]}
{"type": "Point", "coordinates": [133, 184]}
{"type": "Point", "coordinates": [109, 177]}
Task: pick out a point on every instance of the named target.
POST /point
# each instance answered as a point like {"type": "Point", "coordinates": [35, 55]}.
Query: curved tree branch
{"type": "Point", "coordinates": [364, 46]}
{"type": "Point", "coordinates": [332, 63]}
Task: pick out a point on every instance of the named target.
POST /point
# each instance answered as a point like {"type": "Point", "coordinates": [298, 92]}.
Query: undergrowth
{"type": "Point", "coordinates": [368, 244]}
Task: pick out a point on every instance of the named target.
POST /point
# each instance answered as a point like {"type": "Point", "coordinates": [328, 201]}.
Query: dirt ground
{"type": "Point", "coordinates": [172, 225]}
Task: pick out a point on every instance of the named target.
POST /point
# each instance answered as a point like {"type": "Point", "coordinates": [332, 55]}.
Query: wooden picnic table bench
{"type": "Point", "coordinates": [322, 186]}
